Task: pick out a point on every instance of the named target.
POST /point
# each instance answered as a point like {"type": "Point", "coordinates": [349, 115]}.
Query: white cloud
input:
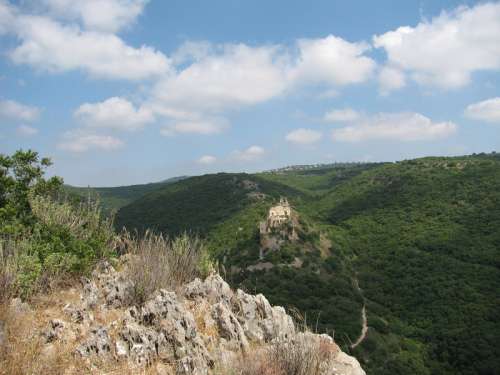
{"type": "Point", "coordinates": [7, 17]}
{"type": "Point", "coordinates": [303, 136]}
{"type": "Point", "coordinates": [448, 49]}
{"type": "Point", "coordinates": [114, 113]}
{"type": "Point", "coordinates": [207, 159]}
{"type": "Point", "coordinates": [487, 110]}
{"type": "Point", "coordinates": [390, 79]}
{"type": "Point", "coordinates": [54, 47]}
{"type": "Point", "coordinates": [403, 127]}
{"type": "Point", "coordinates": [332, 60]}
{"type": "Point", "coordinates": [214, 79]}
{"type": "Point", "coordinates": [26, 130]}
{"type": "Point", "coordinates": [327, 94]}
{"type": "Point", "coordinates": [191, 51]}
{"type": "Point", "coordinates": [250, 154]}
{"type": "Point", "coordinates": [195, 126]}
{"type": "Point", "coordinates": [78, 141]}
{"type": "Point", "coordinates": [341, 115]}
{"type": "Point", "coordinates": [236, 76]}
{"type": "Point", "coordinates": [11, 109]}
{"type": "Point", "coordinates": [100, 15]}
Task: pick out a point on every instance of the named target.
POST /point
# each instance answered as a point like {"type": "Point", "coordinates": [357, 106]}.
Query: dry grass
{"type": "Point", "coordinates": [301, 355]}
{"type": "Point", "coordinates": [158, 262]}
{"type": "Point", "coordinates": [24, 352]}
{"type": "Point", "coordinates": [7, 272]}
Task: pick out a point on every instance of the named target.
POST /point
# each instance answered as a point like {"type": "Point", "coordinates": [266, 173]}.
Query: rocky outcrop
{"type": "Point", "coordinates": [202, 327]}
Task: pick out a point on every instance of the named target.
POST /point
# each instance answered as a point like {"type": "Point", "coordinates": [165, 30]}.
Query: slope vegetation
{"type": "Point", "coordinates": [421, 236]}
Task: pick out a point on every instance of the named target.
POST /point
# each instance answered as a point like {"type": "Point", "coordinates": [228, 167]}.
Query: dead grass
{"type": "Point", "coordinates": [24, 352]}
{"type": "Point", "coordinates": [7, 271]}
{"type": "Point", "coordinates": [158, 262]}
{"type": "Point", "coordinates": [300, 355]}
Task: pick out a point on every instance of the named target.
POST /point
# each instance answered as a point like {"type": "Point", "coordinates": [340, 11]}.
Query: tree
{"type": "Point", "coordinates": [20, 175]}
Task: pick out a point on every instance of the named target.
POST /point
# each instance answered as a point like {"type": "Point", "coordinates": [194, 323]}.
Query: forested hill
{"type": "Point", "coordinates": [113, 198]}
{"type": "Point", "coordinates": [421, 237]}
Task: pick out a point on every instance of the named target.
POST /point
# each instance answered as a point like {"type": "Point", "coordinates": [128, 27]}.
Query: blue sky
{"type": "Point", "coordinates": [131, 91]}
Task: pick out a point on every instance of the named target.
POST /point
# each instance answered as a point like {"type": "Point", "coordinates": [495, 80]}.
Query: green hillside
{"type": "Point", "coordinates": [421, 237]}
{"type": "Point", "coordinates": [197, 204]}
{"type": "Point", "coordinates": [113, 198]}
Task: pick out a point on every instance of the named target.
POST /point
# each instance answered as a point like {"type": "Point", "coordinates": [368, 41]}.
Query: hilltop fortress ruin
{"type": "Point", "coordinates": [279, 227]}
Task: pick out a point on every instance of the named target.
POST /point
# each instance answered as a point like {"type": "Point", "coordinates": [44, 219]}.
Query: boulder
{"type": "Point", "coordinates": [98, 343]}
{"type": "Point", "coordinates": [229, 327]}
{"type": "Point", "coordinates": [213, 288]}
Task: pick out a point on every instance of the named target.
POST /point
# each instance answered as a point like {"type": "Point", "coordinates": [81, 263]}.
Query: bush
{"type": "Point", "coordinates": [160, 263]}
{"type": "Point", "coordinates": [63, 241]}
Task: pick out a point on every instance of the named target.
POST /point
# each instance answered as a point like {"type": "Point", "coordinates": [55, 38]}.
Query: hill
{"type": "Point", "coordinates": [420, 238]}
{"type": "Point", "coordinates": [113, 198]}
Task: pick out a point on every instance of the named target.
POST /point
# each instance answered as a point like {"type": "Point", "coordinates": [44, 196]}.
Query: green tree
{"type": "Point", "coordinates": [21, 174]}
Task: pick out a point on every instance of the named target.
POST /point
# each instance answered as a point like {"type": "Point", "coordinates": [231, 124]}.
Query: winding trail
{"type": "Point", "coordinates": [364, 329]}
{"type": "Point", "coordinates": [364, 320]}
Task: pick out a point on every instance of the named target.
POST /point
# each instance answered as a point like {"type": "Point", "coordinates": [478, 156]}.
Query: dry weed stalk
{"type": "Point", "coordinates": [158, 262]}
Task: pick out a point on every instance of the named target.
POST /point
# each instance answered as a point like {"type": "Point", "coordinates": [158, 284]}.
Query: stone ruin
{"type": "Point", "coordinates": [279, 227]}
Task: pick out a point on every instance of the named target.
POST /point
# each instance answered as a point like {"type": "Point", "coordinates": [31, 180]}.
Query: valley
{"type": "Point", "coordinates": [420, 235]}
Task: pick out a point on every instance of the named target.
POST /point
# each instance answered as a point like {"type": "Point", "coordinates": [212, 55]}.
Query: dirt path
{"type": "Point", "coordinates": [364, 320]}
{"type": "Point", "coordinates": [364, 329]}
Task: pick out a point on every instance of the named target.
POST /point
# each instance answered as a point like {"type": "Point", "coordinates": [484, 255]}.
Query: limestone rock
{"type": "Point", "coordinates": [261, 322]}
{"type": "Point", "coordinates": [98, 343]}
{"type": "Point", "coordinates": [346, 365]}
{"type": "Point", "coordinates": [90, 294]}
{"type": "Point", "coordinates": [213, 288]}
{"type": "Point", "coordinates": [53, 331]}
{"type": "Point", "coordinates": [229, 326]}
{"type": "Point", "coordinates": [204, 326]}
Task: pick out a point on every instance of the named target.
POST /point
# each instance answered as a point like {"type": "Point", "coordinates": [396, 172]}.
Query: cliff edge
{"type": "Point", "coordinates": [203, 328]}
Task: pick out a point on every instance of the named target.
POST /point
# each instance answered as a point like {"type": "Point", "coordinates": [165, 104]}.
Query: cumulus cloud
{"type": "Point", "coordinates": [195, 126]}
{"type": "Point", "coordinates": [26, 130]}
{"type": "Point", "coordinates": [191, 51]}
{"type": "Point", "coordinates": [390, 79]}
{"type": "Point", "coordinates": [404, 127]}
{"type": "Point", "coordinates": [207, 159]}
{"type": "Point", "coordinates": [114, 113]}
{"type": "Point", "coordinates": [13, 110]}
{"type": "Point", "coordinates": [214, 79]}
{"type": "Point", "coordinates": [332, 60]}
{"type": "Point", "coordinates": [49, 45]}
{"type": "Point", "coordinates": [100, 15]}
{"type": "Point", "coordinates": [487, 110]}
{"type": "Point", "coordinates": [78, 141]}
{"type": "Point", "coordinates": [237, 75]}
{"type": "Point", "coordinates": [341, 115]}
{"type": "Point", "coordinates": [448, 49]}
{"type": "Point", "coordinates": [252, 153]}
{"type": "Point", "coordinates": [303, 136]}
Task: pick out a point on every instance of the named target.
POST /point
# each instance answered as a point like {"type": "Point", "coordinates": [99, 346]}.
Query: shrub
{"type": "Point", "coordinates": [158, 262]}
{"type": "Point", "coordinates": [63, 241]}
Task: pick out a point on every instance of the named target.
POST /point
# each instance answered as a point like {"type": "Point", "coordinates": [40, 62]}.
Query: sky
{"type": "Point", "coordinates": [122, 92]}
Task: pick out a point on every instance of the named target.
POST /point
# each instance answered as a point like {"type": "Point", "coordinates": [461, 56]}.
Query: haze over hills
{"type": "Point", "coordinates": [419, 237]}
{"type": "Point", "coordinates": [113, 198]}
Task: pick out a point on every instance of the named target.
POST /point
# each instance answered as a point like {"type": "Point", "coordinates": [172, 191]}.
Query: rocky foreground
{"type": "Point", "coordinates": [204, 328]}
